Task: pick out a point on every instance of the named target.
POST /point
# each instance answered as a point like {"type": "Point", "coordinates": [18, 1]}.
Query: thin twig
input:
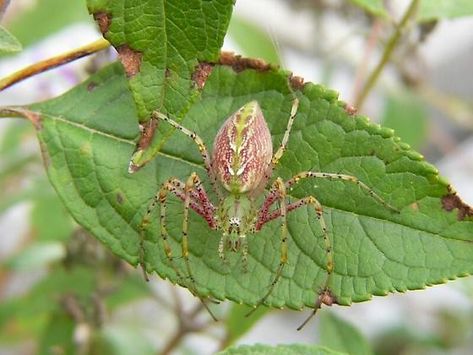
{"type": "Point", "coordinates": [392, 42]}
{"type": "Point", "coordinates": [53, 62]}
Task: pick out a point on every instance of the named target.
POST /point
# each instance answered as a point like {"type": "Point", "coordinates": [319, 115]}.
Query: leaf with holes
{"type": "Point", "coordinates": [164, 47]}
{"type": "Point", "coordinates": [87, 135]}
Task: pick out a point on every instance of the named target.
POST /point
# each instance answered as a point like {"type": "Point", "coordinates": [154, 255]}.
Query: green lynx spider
{"type": "Point", "coordinates": [242, 163]}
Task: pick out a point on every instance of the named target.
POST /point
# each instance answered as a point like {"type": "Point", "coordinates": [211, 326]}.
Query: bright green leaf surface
{"type": "Point", "coordinates": [166, 40]}
{"type": "Point", "coordinates": [292, 349]}
{"type": "Point", "coordinates": [87, 136]}
{"type": "Point", "coordinates": [8, 43]}
{"type": "Point", "coordinates": [439, 9]}
{"type": "Point", "coordinates": [337, 334]}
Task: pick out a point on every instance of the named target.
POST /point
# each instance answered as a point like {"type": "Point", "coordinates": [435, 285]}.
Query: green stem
{"type": "Point", "coordinates": [53, 62]}
{"type": "Point", "coordinates": [393, 41]}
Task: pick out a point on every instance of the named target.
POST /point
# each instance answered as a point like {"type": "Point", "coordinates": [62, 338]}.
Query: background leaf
{"type": "Point", "coordinates": [337, 334]}
{"type": "Point", "coordinates": [8, 42]}
{"type": "Point", "coordinates": [406, 114]}
{"type": "Point", "coordinates": [86, 148]}
{"type": "Point", "coordinates": [444, 9]}
{"type": "Point", "coordinates": [375, 7]}
{"type": "Point", "coordinates": [292, 349]}
{"type": "Point", "coordinates": [39, 16]}
{"type": "Point", "coordinates": [253, 41]}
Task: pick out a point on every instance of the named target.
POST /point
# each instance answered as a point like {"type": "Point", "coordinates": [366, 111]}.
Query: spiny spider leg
{"type": "Point", "coordinates": [332, 176]}
{"type": "Point", "coordinates": [200, 144]}
{"type": "Point", "coordinates": [311, 174]}
{"type": "Point", "coordinates": [172, 185]}
{"type": "Point", "coordinates": [206, 209]}
{"type": "Point", "coordinates": [282, 148]}
{"type": "Point", "coordinates": [278, 186]}
{"type": "Point", "coordinates": [192, 182]}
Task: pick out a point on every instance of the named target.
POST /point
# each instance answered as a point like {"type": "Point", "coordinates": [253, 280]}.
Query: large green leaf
{"type": "Point", "coordinates": [162, 44]}
{"type": "Point", "coordinates": [88, 134]}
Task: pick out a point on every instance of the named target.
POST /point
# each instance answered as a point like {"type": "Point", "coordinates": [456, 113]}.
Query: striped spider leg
{"type": "Point", "coordinates": [193, 194]}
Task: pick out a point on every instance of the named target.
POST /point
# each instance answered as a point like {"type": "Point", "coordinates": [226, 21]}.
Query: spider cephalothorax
{"type": "Point", "coordinates": [242, 162]}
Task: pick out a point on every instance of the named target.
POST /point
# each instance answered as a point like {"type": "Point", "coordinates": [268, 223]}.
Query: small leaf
{"type": "Point", "coordinates": [253, 41]}
{"type": "Point", "coordinates": [37, 255]}
{"type": "Point", "coordinates": [337, 334]}
{"type": "Point", "coordinates": [8, 42]}
{"type": "Point", "coordinates": [374, 7]}
{"type": "Point", "coordinates": [406, 114]}
{"type": "Point", "coordinates": [237, 324]}
{"type": "Point", "coordinates": [37, 15]}
{"type": "Point", "coordinates": [58, 335]}
{"type": "Point", "coordinates": [291, 349]}
{"type": "Point", "coordinates": [444, 9]}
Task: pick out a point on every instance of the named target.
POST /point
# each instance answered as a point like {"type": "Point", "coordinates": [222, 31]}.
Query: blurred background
{"type": "Point", "coordinates": [61, 292]}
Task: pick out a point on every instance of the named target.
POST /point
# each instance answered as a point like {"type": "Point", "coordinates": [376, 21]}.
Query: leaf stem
{"type": "Point", "coordinates": [392, 42]}
{"type": "Point", "coordinates": [53, 62]}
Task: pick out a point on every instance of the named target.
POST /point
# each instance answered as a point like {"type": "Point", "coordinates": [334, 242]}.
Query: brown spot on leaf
{"type": "Point", "coordinates": [451, 201]}
{"type": "Point", "coordinates": [297, 82]}
{"type": "Point", "coordinates": [201, 73]}
{"type": "Point", "coordinates": [238, 63]}
{"type": "Point", "coordinates": [103, 20]}
{"type": "Point", "coordinates": [130, 59]}
{"type": "Point", "coordinates": [350, 109]}
{"type": "Point", "coordinates": [167, 73]}
{"type": "Point", "coordinates": [414, 206]}
{"type": "Point", "coordinates": [91, 86]}
{"type": "Point", "coordinates": [147, 133]}
{"type": "Point", "coordinates": [120, 198]}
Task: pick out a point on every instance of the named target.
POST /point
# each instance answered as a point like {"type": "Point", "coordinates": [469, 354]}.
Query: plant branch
{"type": "Point", "coordinates": [392, 42]}
{"type": "Point", "coordinates": [53, 62]}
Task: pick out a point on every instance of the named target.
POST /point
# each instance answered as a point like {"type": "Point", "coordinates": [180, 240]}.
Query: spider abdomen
{"type": "Point", "coordinates": [242, 150]}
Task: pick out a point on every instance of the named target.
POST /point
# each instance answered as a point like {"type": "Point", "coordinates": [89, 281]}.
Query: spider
{"type": "Point", "coordinates": [242, 163]}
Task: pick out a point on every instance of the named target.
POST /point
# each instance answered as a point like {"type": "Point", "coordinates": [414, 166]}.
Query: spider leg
{"type": "Point", "coordinates": [264, 211]}
{"type": "Point", "coordinates": [343, 177]}
{"type": "Point", "coordinates": [200, 144]}
{"type": "Point", "coordinates": [192, 182]}
{"type": "Point", "coordinates": [175, 186]}
{"type": "Point", "coordinates": [312, 201]}
{"type": "Point", "coordinates": [279, 153]}
{"type": "Point", "coordinates": [281, 189]}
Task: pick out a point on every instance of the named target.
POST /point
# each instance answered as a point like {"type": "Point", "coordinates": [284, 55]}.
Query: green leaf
{"type": "Point", "coordinates": [58, 335]}
{"type": "Point", "coordinates": [37, 255]}
{"type": "Point", "coordinates": [38, 16]}
{"type": "Point", "coordinates": [88, 134]}
{"type": "Point", "coordinates": [291, 349]}
{"type": "Point", "coordinates": [374, 7]}
{"type": "Point", "coordinates": [444, 9]}
{"type": "Point", "coordinates": [237, 324]}
{"type": "Point", "coordinates": [253, 41]}
{"type": "Point", "coordinates": [162, 44]}
{"type": "Point", "coordinates": [337, 334]}
{"type": "Point", "coordinates": [406, 114]}
{"type": "Point", "coordinates": [8, 42]}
